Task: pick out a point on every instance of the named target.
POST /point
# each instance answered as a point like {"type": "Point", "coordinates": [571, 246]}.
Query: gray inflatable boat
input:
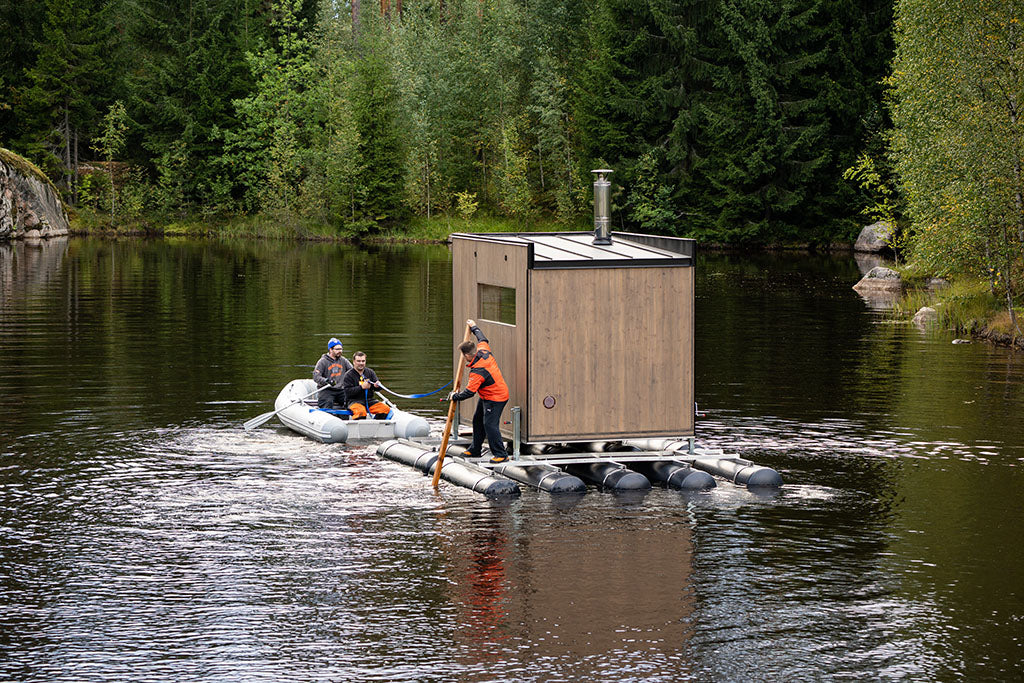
{"type": "Point", "coordinates": [305, 418]}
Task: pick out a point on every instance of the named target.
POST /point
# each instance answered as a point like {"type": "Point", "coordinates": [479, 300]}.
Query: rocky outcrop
{"type": "Point", "coordinates": [30, 205]}
{"type": "Point", "coordinates": [874, 238]}
{"type": "Point", "coordinates": [880, 281]}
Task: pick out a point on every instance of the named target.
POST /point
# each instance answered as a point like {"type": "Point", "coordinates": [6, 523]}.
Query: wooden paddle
{"type": "Point", "coordinates": [451, 414]}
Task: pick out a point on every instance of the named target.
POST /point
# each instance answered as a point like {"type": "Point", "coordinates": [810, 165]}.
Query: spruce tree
{"type": "Point", "coordinates": [189, 66]}
{"type": "Point", "coordinates": [71, 78]}
{"type": "Point", "coordinates": [379, 179]}
{"type": "Point", "coordinates": [21, 24]}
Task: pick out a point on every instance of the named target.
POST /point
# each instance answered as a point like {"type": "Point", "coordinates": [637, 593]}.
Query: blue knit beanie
{"type": "Point", "coordinates": [334, 342]}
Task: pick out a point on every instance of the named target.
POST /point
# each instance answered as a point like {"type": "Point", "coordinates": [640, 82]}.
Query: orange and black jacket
{"type": "Point", "coordinates": [484, 376]}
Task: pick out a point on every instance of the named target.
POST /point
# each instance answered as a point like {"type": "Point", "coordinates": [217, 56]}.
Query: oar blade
{"type": "Point", "coordinates": [258, 420]}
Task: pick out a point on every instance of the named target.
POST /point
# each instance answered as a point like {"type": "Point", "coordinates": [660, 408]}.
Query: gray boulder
{"type": "Point", "coordinates": [874, 238]}
{"type": "Point", "coordinates": [925, 317]}
{"type": "Point", "coordinates": [30, 205]}
{"type": "Point", "coordinates": [880, 281]}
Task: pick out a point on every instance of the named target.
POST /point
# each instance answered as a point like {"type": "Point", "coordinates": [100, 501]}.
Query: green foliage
{"type": "Point", "coordinates": [968, 305]}
{"type": "Point", "coordinates": [755, 105]}
{"type": "Point", "coordinates": [93, 189]}
{"type": "Point", "coordinates": [650, 203]}
{"type": "Point", "coordinates": [21, 25]}
{"type": "Point", "coordinates": [186, 66]}
{"type": "Point", "coordinates": [171, 172]}
{"type": "Point", "coordinates": [729, 120]}
{"type": "Point", "coordinates": [110, 142]}
{"type": "Point", "coordinates": [379, 186]}
{"type": "Point", "coordinates": [272, 151]}
{"type": "Point", "coordinates": [956, 95]}
{"type": "Point", "coordinates": [882, 196]}
{"type": "Point", "coordinates": [70, 78]}
{"type": "Point", "coordinates": [466, 204]}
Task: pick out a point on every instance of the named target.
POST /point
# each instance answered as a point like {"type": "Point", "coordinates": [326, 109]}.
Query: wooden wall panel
{"type": "Point", "coordinates": [614, 347]}
{"type": "Point", "coordinates": [505, 265]}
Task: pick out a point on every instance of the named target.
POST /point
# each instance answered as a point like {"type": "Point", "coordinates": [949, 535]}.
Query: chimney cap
{"type": "Point", "coordinates": [602, 170]}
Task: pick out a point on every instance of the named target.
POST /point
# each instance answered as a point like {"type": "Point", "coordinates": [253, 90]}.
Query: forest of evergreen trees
{"type": "Point", "coordinates": [726, 120]}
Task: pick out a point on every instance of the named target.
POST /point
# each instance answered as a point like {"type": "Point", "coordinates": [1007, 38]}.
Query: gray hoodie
{"type": "Point", "coordinates": [327, 367]}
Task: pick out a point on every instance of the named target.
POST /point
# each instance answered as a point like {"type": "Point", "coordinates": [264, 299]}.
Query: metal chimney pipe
{"type": "Point", "coordinates": [602, 207]}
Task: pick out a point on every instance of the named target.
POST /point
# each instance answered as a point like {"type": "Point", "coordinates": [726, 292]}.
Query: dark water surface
{"type": "Point", "coordinates": [145, 537]}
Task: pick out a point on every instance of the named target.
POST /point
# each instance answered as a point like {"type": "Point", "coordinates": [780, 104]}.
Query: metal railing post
{"type": "Point", "coordinates": [517, 423]}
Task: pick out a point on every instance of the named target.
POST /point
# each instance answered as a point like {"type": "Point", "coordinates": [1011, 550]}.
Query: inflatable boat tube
{"type": "Point", "coordinates": [305, 418]}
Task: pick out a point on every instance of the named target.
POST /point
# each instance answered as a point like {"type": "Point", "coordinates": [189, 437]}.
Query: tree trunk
{"type": "Point", "coordinates": [356, 18]}
{"type": "Point", "coordinates": [66, 132]}
{"type": "Point", "coordinates": [75, 174]}
{"type": "Point", "coordinates": [540, 162]}
{"type": "Point", "coordinates": [110, 172]}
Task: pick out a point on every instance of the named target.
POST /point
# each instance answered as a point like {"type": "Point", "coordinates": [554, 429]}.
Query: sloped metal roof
{"type": "Point", "coordinates": [576, 249]}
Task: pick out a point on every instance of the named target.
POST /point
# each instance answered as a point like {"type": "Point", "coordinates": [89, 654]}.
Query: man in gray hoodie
{"type": "Point", "coordinates": [328, 372]}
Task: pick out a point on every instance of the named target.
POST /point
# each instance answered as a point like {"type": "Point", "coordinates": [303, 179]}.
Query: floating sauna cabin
{"type": "Point", "coordinates": [594, 335]}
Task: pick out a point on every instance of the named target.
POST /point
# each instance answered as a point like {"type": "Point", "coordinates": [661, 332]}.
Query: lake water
{"type": "Point", "coordinates": [144, 536]}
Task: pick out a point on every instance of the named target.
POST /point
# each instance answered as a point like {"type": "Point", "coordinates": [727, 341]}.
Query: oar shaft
{"type": "Point", "coordinates": [451, 414]}
{"type": "Point", "coordinates": [260, 419]}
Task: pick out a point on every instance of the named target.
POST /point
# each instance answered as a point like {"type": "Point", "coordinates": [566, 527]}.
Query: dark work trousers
{"type": "Point", "coordinates": [487, 420]}
{"type": "Point", "coordinates": [328, 396]}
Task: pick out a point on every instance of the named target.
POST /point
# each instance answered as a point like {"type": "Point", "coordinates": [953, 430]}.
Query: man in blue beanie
{"type": "Point", "coordinates": [328, 372]}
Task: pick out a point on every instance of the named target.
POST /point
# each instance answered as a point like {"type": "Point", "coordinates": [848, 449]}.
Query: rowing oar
{"type": "Point", "coordinates": [451, 413]}
{"type": "Point", "coordinates": [260, 419]}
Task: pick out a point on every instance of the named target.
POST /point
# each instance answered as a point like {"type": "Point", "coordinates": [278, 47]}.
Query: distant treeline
{"type": "Point", "coordinates": [728, 120]}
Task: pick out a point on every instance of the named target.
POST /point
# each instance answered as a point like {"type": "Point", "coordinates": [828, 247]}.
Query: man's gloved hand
{"type": "Point", "coordinates": [449, 398]}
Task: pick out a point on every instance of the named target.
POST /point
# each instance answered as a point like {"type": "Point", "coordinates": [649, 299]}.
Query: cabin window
{"type": "Point", "coordinates": [497, 303]}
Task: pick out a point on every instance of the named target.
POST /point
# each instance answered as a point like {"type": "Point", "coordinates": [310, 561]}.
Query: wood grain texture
{"type": "Point", "coordinates": [614, 347]}
{"type": "Point", "coordinates": [504, 265]}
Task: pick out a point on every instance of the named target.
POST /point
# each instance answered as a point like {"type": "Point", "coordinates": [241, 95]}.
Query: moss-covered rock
{"type": "Point", "coordinates": [30, 204]}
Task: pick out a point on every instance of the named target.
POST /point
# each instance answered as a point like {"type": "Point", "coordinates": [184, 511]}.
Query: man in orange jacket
{"type": "Point", "coordinates": [485, 380]}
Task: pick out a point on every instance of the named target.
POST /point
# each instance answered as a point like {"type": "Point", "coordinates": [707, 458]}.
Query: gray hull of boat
{"type": "Point", "coordinates": [322, 426]}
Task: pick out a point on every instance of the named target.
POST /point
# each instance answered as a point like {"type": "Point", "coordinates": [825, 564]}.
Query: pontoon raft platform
{"type": "Point", "coordinates": [629, 465]}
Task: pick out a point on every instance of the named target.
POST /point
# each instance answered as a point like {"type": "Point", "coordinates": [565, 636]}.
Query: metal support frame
{"type": "Point", "coordinates": [517, 424]}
